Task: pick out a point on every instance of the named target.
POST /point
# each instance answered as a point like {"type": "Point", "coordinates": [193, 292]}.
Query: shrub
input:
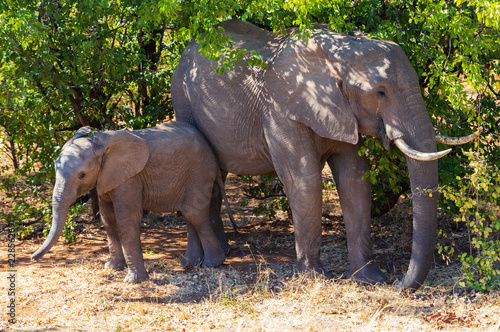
{"type": "Point", "coordinates": [477, 196]}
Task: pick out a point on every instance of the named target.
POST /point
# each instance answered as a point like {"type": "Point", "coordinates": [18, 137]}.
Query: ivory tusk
{"type": "Point", "coordinates": [412, 153]}
{"type": "Point", "coordinates": [458, 140]}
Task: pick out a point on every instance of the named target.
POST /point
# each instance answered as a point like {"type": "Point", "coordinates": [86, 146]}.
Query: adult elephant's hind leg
{"type": "Point", "coordinates": [348, 169]}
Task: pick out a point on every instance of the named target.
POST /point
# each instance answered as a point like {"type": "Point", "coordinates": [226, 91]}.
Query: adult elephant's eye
{"type": "Point", "coordinates": [82, 176]}
{"type": "Point", "coordinates": [381, 93]}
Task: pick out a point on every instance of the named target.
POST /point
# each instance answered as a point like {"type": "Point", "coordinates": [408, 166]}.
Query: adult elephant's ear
{"type": "Point", "coordinates": [306, 86]}
{"type": "Point", "coordinates": [124, 155]}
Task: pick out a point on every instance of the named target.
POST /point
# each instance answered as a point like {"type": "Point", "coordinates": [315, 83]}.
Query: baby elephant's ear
{"type": "Point", "coordinates": [82, 132]}
{"type": "Point", "coordinates": [124, 155]}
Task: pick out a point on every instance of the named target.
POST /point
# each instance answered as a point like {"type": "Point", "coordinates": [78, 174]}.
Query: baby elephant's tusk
{"type": "Point", "coordinates": [458, 140]}
{"type": "Point", "coordinates": [418, 155]}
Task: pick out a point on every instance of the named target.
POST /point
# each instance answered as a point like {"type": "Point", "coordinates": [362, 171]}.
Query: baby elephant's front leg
{"type": "Point", "coordinates": [133, 256]}
{"type": "Point", "coordinates": [116, 259]}
{"type": "Point", "coordinates": [128, 219]}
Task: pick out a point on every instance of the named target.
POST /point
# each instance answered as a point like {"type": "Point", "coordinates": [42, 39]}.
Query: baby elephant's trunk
{"type": "Point", "coordinates": [59, 216]}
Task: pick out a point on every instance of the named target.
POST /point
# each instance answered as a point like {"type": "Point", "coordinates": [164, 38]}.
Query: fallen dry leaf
{"type": "Point", "coordinates": [441, 317]}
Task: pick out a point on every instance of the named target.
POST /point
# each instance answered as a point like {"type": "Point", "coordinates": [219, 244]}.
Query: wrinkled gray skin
{"type": "Point", "coordinates": [163, 169]}
{"type": "Point", "coordinates": [309, 107]}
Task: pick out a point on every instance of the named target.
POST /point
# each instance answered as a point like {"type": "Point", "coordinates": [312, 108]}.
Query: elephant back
{"type": "Point", "coordinates": [251, 38]}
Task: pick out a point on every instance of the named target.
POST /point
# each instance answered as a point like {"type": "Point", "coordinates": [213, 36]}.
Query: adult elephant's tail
{"type": "Point", "coordinates": [220, 183]}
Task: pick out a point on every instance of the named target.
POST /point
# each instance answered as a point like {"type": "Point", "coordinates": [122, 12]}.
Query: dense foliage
{"type": "Point", "coordinates": [68, 63]}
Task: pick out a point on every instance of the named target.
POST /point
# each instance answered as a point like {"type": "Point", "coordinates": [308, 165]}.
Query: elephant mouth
{"type": "Point", "coordinates": [386, 141]}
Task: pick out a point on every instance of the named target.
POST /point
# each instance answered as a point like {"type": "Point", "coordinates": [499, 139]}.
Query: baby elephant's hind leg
{"type": "Point", "coordinates": [199, 219]}
{"type": "Point", "coordinates": [194, 252]}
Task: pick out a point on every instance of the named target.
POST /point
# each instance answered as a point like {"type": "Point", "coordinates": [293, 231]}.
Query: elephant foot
{"type": "Point", "coordinates": [115, 264]}
{"type": "Point", "coordinates": [368, 274]}
{"type": "Point", "coordinates": [136, 276]}
{"type": "Point", "coordinates": [213, 260]}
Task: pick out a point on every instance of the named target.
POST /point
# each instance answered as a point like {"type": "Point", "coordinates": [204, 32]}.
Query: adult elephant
{"type": "Point", "coordinates": [308, 107]}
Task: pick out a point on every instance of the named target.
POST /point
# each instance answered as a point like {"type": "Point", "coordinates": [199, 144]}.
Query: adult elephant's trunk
{"type": "Point", "coordinates": [423, 178]}
{"type": "Point", "coordinates": [418, 133]}
{"type": "Point", "coordinates": [60, 208]}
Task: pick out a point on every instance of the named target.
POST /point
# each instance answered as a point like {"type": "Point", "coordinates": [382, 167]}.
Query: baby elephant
{"type": "Point", "coordinates": [167, 168]}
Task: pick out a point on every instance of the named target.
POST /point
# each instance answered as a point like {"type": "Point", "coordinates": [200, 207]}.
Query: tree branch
{"type": "Point", "coordinates": [493, 90]}
{"type": "Point", "coordinates": [27, 223]}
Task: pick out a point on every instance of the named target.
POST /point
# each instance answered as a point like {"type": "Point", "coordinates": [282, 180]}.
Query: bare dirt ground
{"type": "Point", "coordinates": [69, 289]}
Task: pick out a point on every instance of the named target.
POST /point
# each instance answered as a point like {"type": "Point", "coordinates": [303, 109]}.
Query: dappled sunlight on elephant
{"type": "Point", "coordinates": [308, 106]}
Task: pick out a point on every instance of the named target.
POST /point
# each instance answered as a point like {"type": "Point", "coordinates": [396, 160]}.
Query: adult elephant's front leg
{"type": "Point", "coordinates": [297, 163]}
{"type": "Point", "coordinates": [303, 189]}
{"type": "Point", "coordinates": [348, 169]}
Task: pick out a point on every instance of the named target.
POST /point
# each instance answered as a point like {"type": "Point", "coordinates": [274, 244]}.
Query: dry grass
{"type": "Point", "coordinates": [69, 290]}
{"type": "Point", "coordinates": [85, 297]}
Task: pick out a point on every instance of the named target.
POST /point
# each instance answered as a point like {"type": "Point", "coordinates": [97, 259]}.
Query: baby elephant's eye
{"type": "Point", "coordinates": [381, 93]}
{"type": "Point", "coordinates": [82, 176]}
